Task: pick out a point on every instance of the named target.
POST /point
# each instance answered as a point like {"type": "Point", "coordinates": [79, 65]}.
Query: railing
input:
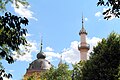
{"type": "Point", "coordinates": [87, 46]}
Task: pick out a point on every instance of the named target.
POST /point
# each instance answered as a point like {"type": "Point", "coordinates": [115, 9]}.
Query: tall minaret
{"type": "Point", "coordinates": [83, 47]}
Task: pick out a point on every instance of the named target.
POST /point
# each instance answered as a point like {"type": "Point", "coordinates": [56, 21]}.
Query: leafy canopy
{"type": "Point", "coordinates": [12, 35]}
{"type": "Point", "coordinates": [3, 3]}
{"type": "Point", "coordinates": [77, 70]}
{"type": "Point", "coordinates": [113, 8]}
{"type": "Point", "coordinates": [104, 62]}
{"type": "Point", "coordinates": [60, 73]}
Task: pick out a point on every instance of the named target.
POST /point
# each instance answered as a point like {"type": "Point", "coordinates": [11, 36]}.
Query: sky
{"type": "Point", "coordinates": [57, 23]}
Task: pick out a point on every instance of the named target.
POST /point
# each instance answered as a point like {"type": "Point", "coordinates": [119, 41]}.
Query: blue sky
{"type": "Point", "coordinates": [59, 23]}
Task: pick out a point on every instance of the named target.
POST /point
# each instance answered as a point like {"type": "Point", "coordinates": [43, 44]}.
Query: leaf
{"type": "Point", "coordinates": [1, 78]}
{"type": "Point", "coordinates": [3, 54]}
{"type": "Point", "coordinates": [9, 75]}
{"type": "Point", "coordinates": [98, 3]}
{"type": "Point", "coordinates": [9, 59]}
{"type": "Point", "coordinates": [1, 29]}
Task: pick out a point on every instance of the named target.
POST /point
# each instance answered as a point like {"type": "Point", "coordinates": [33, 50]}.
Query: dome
{"type": "Point", "coordinates": [40, 64]}
{"type": "Point", "coordinates": [41, 55]}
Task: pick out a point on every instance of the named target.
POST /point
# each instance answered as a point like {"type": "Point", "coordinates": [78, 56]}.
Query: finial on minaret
{"type": "Point", "coordinates": [82, 22]}
{"type": "Point", "coordinates": [41, 46]}
{"type": "Point", "coordinates": [83, 29]}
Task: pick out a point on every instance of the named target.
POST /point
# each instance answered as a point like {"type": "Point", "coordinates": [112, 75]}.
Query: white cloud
{"type": "Point", "coordinates": [71, 54]}
{"type": "Point", "coordinates": [86, 19]}
{"type": "Point", "coordinates": [23, 11]}
{"type": "Point", "coordinates": [52, 55]}
{"type": "Point", "coordinates": [27, 35]}
{"type": "Point", "coordinates": [98, 14]}
{"type": "Point", "coordinates": [4, 78]}
{"type": "Point", "coordinates": [49, 49]}
{"type": "Point", "coordinates": [104, 9]}
{"type": "Point", "coordinates": [28, 52]}
{"type": "Point", "coordinates": [92, 42]}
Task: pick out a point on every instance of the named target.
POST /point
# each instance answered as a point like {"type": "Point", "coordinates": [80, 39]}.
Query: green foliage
{"type": "Point", "coordinates": [104, 60]}
{"type": "Point", "coordinates": [77, 70]}
{"type": "Point", "coordinates": [11, 35]}
{"type": "Point", "coordinates": [113, 8]}
{"type": "Point", "coordinates": [34, 76]}
{"type": "Point", "coordinates": [60, 73]}
{"type": "Point", "coordinates": [3, 3]}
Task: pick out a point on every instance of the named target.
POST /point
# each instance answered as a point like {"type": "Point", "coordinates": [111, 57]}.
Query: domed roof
{"type": "Point", "coordinates": [40, 64]}
{"type": "Point", "coordinates": [41, 55]}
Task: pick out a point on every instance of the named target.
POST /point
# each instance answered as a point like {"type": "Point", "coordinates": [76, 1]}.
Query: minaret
{"type": "Point", "coordinates": [83, 47]}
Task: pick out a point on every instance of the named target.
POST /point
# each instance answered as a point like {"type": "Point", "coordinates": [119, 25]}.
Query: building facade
{"type": "Point", "coordinates": [39, 65]}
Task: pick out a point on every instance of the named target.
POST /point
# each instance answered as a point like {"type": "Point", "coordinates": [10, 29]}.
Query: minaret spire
{"type": "Point", "coordinates": [82, 22]}
{"type": "Point", "coordinates": [83, 29]}
{"type": "Point", "coordinates": [41, 46]}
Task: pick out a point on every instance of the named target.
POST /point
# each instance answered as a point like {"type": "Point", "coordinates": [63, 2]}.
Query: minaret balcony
{"type": "Point", "coordinates": [87, 46]}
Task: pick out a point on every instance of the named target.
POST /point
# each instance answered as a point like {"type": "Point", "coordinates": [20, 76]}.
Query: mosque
{"type": "Point", "coordinates": [38, 65]}
{"type": "Point", "coordinates": [41, 64]}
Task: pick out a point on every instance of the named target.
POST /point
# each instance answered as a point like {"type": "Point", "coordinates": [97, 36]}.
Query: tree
{"type": "Point", "coordinates": [33, 76]}
{"type": "Point", "coordinates": [60, 73]}
{"type": "Point", "coordinates": [3, 3]}
{"type": "Point", "coordinates": [104, 62]}
{"type": "Point", "coordinates": [12, 35]}
{"type": "Point", "coordinates": [77, 70]}
{"type": "Point", "coordinates": [113, 8]}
